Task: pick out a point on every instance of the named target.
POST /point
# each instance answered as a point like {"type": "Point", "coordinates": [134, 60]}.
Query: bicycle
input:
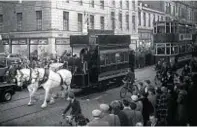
{"type": "Point", "coordinates": [74, 120]}
{"type": "Point", "coordinates": [125, 89]}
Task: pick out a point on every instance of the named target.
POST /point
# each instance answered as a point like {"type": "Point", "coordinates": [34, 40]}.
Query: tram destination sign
{"type": "Point", "coordinates": [185, 37]}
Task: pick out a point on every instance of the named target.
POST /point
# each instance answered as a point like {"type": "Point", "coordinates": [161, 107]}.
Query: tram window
{"type": "Point", "coordinates": [122, 57]}
{"type": "Point", "coordinates": [102, 59]}
{"type": "Point", "coordinates": [174, 49]}
{"type": "Point", "coordinates": [113, 58]}
{"type": "Point", "coordinates": [160, 50]}
{"type": "Point", "coordinates": [118, 59]}
{"type": "Point", "coordinates": [161, 29]}
{"type": "Point", "coordinates": [126, 56]}
{"type": "Point", "coordinates": [107, 59]}
{"type": "Point", "coordinates": [182, 48]}
{"type": "Point", "coordinates": [167, 49]}
{"type": "Point", "coordinates": [167, 28]}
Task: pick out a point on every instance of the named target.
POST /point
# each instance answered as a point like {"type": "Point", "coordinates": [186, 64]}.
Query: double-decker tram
{"type": "Point", "coordinates": [173, 41]}
{"type": "Point", "coordinates": [100, 60]}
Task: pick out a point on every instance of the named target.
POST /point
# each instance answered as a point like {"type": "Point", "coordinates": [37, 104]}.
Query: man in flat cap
{"type": "Point", "coordinates": [97, 121]}
{"type": "Point", "coordinates": [74, 105]}
{"type": "Point", "coordinates": [112, 119]}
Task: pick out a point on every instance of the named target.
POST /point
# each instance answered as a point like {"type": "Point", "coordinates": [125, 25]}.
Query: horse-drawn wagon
{"type": "Point", "coordinates": [99, 60]}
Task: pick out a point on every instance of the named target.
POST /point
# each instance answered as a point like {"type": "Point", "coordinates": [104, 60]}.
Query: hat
{"type": "Point", "coordinates": [115, 104]}
{"type": "Point", "coordinates": [104, 107]}
{"type": "Point", "coordinates": [134, 97]}
{"type": "Point", "coordinates": [96, 113]}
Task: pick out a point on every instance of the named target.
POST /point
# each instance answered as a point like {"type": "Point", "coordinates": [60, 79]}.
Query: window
{"type": "Point", "coordinates": [80, 2]}
{"type": "Point", "coordinates": [127, 21]}
{"type": "Point", "coordinates": [120, 20]}
{"type": "Point", "coordinates": [113, 20]}
{"type": "Point", "coordinates": [154, 18]}
{"type": "Point", "coordinates": [167, 27]}
{"type": "Point", "coordinates": [158, 18]}
{"type": "Point", "coordinates": [174, 49]}
{"type": "Point", "coordinates": [149, 20]}
{"type": "Point", "coordinates": [19, 21]}
{"type": "Point", "coordinates": [91, 21]}
{"type": "Point", "coordinates": [102, 21]}
{"type": "Point", "coordinates": [160, 49]}
{"type": "Point", "coordinates": [65, 20]}
{"type": "Point", "coordinates": [80, 22]}
{"type": "Point", "coordinates": [173, 10]}
{"type": "Point", "coordinates": [92, 3]}
{"type": "Point", "coordinates": [144, 18]}
{"type": "Point", "coordinates": [121, 4]}
{"type": "Point", "coordinates": [39, 20]}
{"type": "Point", "coordinates": [102, 4]}
{"type": "Point", "coordinates": [168, 48]}
{"type": "Point", "coordinates": [133, 22]}
{"type": "Point", "coordinates": [1, 23]}
{"type": "Point", "coordinates": [161, 18]}
{"type": "Point", "coordinates": [127, 4]}
{"type": "Point", "coordinates": [139, 18]}
{"type": "Point", "coordinates": [114, 3]}
{"type": "Point", "coordinates": [133, 5]}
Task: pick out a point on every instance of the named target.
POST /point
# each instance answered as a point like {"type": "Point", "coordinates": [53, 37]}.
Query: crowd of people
{"type": "Point", "coordinates": [170, 104]}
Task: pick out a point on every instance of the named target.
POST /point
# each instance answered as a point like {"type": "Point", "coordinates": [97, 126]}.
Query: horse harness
{"type": "Point", "coordinates": [45, 77]}
{"type": "Point", "coordinates": [30, 77]}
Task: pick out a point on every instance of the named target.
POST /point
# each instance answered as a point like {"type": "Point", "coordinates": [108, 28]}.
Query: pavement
{"type": "Point", "coordinates": [17, 113]}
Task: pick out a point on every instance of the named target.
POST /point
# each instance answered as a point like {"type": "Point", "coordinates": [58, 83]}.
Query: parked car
{"type": "Point", "coordinates": [7, 91]}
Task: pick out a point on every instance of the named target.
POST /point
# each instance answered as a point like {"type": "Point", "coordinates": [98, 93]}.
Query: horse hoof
{"type": "Point", "coordinates": [43, 106]}
{"type": "Point", "coordinates": [29, 104]}
{"type": "Point", "coordinates": [52, 102]}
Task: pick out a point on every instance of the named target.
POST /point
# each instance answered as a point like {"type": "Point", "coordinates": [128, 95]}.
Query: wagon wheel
{"type": "Point", "coordinates": [7, 96]}
{"type": "Point", "coordinates": [123, 92]}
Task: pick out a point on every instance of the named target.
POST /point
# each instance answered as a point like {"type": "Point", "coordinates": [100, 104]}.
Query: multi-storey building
{"type": "Point", "coordinates": [45, 26]}
{"type": "Point", "coordinates": [148, 13]}
{"type": "Point", "coordinates": [181, 10]}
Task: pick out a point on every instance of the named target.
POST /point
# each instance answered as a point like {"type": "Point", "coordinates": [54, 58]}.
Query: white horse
{"type": "Point", "coordinates": [47, 79]}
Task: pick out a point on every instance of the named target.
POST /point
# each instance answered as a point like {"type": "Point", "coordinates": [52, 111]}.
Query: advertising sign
{"type": "Point", "coordinates": [62, 41]}
{"type": "Point", "coordinates": [185, 37]}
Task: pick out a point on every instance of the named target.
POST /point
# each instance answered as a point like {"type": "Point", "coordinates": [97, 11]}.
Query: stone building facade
{"type": "Point", "coordinates": [44, 27]}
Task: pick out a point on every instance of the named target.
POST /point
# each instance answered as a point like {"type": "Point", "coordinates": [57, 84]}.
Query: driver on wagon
{"type": "Point", "coordinates": [130, 78]}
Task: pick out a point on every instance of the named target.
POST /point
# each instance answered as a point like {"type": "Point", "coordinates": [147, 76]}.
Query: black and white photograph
{"type": "Point", "coordinates": [98, 63]}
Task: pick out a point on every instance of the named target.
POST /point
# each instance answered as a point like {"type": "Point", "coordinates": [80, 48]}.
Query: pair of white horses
{"type": "Point", "coordinates": [62, 78]}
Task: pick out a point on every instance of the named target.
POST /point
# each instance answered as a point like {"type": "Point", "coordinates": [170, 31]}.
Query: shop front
{"type": "Point", "coordinates": [19, 46]}
{"type": "Point", "coordinates": [62, 45]}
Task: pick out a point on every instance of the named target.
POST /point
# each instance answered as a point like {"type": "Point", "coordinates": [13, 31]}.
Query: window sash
{"type": "Point", "coordinates": [65, 20]}
{"type": "Point", "coordinates": [120, 20]}
{"type": "Point", "coordinates": [127, 21]}
{"type": "Point", "coordinates": [39, 24]}
{"type": "Point", "coordinates": [91, 22]}
{"type": "Point", "coordinates": [133, 22]}
{"type": "Point", "coordinates": [102, 4]}
{"type": "Point", "coordinates": [102, 22]}
{"type": "Point", "coordinates": [39, 15]}
{"type": "Point", "coordinates": [80, 22]}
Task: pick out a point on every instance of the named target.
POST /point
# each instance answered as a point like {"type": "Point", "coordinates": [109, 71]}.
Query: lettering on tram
{"type": "Point", "coordinates": [173, 39]}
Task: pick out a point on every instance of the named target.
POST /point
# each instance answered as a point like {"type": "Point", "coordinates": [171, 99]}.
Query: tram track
{"type": "Point", "coordinates": [35, 110]}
